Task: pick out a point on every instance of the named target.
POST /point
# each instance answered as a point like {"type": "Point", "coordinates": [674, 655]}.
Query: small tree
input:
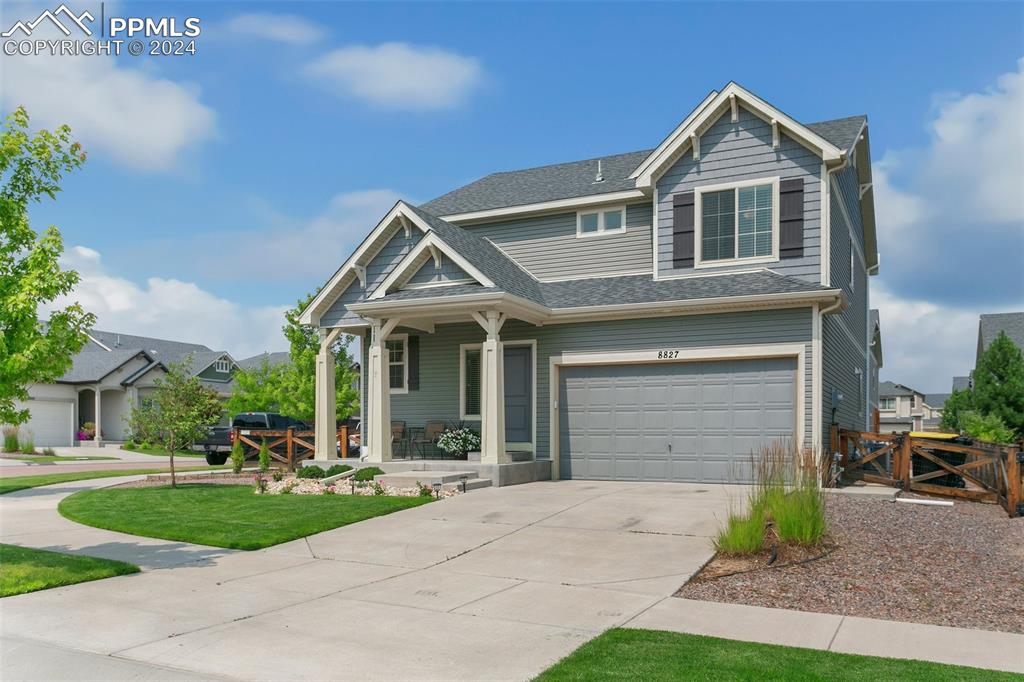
{"type": "Point", "coordinates": [999, 383]}
{"type": "Point", "coordinates": [956, 405]}
{"type": "Point", "coordinates": [237, 457]}
{"type": "Point", "coordinates": [184, 408]}
{"type": "Point", "coordinates": [264, 456]}
{"type": "Point", "coordinates": [257, 389]}
{"type": "Point", "coordinates": [31, 168]}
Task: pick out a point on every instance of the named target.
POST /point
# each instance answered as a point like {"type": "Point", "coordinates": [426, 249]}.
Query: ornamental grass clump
{"type": "Point", "coordinates": [28, 446]}
{"type": "Point", "coordinates": [799, 516]}
{"type": "Point", "coordinates": [743, 533]}
{"type": "Point", "coordinates": [10, 439]}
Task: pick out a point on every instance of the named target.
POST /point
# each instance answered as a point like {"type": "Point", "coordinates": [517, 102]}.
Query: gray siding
{"type": "Point", "coordinates": [438, 396]}
{"type": "Point", "coordinates": [547, 246]}
{"type": "Point", "coordinates": [743, 151]}
{"type": "Point", "coordinates": [376, 272]}
{"type": "Point", "coordinates": [844, 336]}
{"type": "Point", "coordinates": [429, 273]}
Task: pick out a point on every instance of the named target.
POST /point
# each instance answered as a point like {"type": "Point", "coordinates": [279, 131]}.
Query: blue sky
{"type": "Point", "coordinates": [273, 144]}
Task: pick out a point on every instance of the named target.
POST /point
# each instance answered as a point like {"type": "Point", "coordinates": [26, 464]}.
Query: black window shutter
{"type": "Point", "coordinates": [791, 218]}
{"type": "Point", "coordinates": [414, 363]}
{"type": "Point", "coordinates": [682, 230]}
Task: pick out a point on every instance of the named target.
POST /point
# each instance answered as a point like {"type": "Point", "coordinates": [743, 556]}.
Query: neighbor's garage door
{"type": "Point", "coordinates": [50, 422]}
{"type": "Point", "coordinates": [689, 421]}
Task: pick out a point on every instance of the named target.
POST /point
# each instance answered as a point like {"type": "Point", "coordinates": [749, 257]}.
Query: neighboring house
{"type": "Point", "coordinates": [932, 413]}
{"type": "Point", "coordinates": [654, 315]}
{"type": "Point", "coordinates": [271, 359]}
{"type": "Point", "coordinates": [901, 408]}
{"type": "Point", "coordinates": [108, 376]}
{"type": "Point", "coordinates": [989, 327]}
{"type": "Point", "coordinates": [961, 383]}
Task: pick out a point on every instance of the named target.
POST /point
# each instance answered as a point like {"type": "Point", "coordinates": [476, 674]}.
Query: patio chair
{"type": "Point", "coordinates": [427, 441]}
{"type": "Point", "coordinates": [399, 439]}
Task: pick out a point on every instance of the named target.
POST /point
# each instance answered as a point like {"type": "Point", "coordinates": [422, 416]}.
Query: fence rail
{"type": "Point", "coordinates": [985, 472]}
{"type": "Point", "coordinates": [287, 446]}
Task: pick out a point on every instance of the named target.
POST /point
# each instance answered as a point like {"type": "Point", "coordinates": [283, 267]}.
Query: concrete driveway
{"type": "Point", "coordinates": [495, 584]}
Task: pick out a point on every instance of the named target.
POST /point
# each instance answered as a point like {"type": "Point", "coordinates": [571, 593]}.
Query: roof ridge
{"type": "Point", "coordinates": [566, 163]}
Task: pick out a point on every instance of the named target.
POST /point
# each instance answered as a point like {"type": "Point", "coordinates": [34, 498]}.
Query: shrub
{"type": "Point", "coordinates": [367, 473]}
{"type": "Point", "coordinates": [278, 475]}
{"type": "Point", "coordinates": [128, 445]}
{"type": "Point", "coordinates": [264, 456]}
{"type": "Point", "coordinates": [28, 446]}
{"type": "Point", "coordinates": [458, 442]}
{"type": "Point", "coordinates": [145, 445]}
{"type": "Point", "coordinates": [337, 469]}
{"type": "Point", "coordinates": [378, 489]}
{"type": "Point", "coordinates": [310, 471]}
{"type": "Point", "coordinates": [986, 427]}
{"type": "Point", "coordinates": [237, 457]}
{"type": "Point", "coordinates": [743, 533]}
{"type": "Point", "coordinates": [10, 439]}
{"type": "Point", "coordinates": [799, 517]}
{"type": "Point", "coordinates": [49, 452]}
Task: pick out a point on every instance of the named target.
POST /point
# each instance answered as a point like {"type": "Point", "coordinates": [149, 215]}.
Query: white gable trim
{"type": "Point", "coordinates": [399, 217]}
{"type": "Point", "coordinates": [714, 106]}
{"type": "Point", "coordinates": [554, 206]}
{"type": "Point", "coordinates": [421, 253]}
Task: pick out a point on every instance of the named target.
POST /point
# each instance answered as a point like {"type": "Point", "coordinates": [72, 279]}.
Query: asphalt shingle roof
{"type": "Point", "coordinates": [633, 289]}
{"type": "Point", "coordinates": [1012, 323]}
{"type": "Point", "coordinates": [961, 383]}
{"type": "Point", "coordinates": [272, 359]}
{"type": "Point", "coordinates": [577, 178]}
{"type": "Point", "coordinates": [936, 400]}
{"type": "Point", "coordinates": [888, 389]}
{"type": "Point", "coordinates": [93, 365]}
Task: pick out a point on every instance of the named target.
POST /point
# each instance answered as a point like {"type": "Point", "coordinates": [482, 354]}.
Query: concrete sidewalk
{"type": "Point", "coordinates": [842, 634]}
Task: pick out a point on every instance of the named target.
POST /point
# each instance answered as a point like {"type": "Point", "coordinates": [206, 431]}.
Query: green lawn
{"type": "Point", "coordinates": [224, 515]}
{"type": "Point", "coordinates": [160, 452]}
{"type": "Point", "coordinates": [27, 570]}
{"type": "Point", "coordinates": [653, 655]}
{"type": "Point", "coordinates": [12, 483]}
{"type": "Point", "coordinates": [55, 458]}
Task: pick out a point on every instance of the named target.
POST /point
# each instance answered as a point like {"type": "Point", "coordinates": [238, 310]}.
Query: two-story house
{"type": "Point", "coordinates": [901, 408]}
{"type": "Point", "coordinates": [654, 315]}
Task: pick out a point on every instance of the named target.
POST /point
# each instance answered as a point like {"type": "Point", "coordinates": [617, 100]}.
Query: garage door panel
{"type": "Point", "coordinates": [50, 422]}
{"type": "Point", "coordinates": [681, 421]}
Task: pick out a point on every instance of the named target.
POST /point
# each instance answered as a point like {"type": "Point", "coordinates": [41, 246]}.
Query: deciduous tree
{"type": "Point", "coordinates": [183, 409]}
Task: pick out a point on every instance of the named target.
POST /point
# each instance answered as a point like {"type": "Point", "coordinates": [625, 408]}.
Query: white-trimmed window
{"type": "Point", "coordinates": [607, 220]}
{"type": "Point", "coordinates": [470, 381]}
{"type": "Point", "coordinates": [397, 347]}
{"type": "Point", "coordinates": [222, 365]}
{"type": "Point", "coordinates": [737, 222]}
{"type": "Point", "coordinates": [887, 404]}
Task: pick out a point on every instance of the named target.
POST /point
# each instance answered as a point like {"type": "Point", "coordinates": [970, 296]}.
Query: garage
{"type": "Point", "coordinates": [51, 422]}
{"type": "Point", "coordinates": [683, 421]}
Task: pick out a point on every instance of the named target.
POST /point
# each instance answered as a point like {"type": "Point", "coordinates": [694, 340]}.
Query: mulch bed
{"type": "Point", "coordinates": [961, 566]}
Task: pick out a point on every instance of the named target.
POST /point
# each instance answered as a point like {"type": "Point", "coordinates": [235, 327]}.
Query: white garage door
{"type": "Point", "coordinates": [50, 422]}
{"type": "Point", "coordinates": [692, 421]}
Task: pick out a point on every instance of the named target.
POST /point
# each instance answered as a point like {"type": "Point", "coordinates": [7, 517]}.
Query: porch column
{"type": "Point", "coordinates": [97, 416]}
{"type": "Point", "coordinates": [378, 391]}
{"type": "Point", "coordinates": [326, 424]}
{"type": "Point", "coordinates": [492, 388]}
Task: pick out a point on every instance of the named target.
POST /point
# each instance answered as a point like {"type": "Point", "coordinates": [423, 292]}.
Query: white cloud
{"type": "Point", "coordinates": [140, 119]}
{"type": "Point", "coordinates": [312, 250]}
{"type": "Point", "coordinates": [282, 28]}
{"type": "Point", "coordinates": [171, 309]}
{"type": "Point", "coordinates": [399, 75]}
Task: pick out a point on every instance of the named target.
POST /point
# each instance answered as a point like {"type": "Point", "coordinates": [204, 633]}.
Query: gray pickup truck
{"type": "Point", "coordinates": [219, 439]}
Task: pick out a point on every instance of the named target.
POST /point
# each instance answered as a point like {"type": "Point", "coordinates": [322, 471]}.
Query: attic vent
{"type": "Point", "coordinates": [600, 176]}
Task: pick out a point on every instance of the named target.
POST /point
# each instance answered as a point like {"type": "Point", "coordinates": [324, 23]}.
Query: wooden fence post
{"type": "Point", "coordinates": [1013, 483]}
{"type": "Point", "coordinates": [343, 440]}
{"type": "Point", "coordinates": [904, 461]}
{"type": "Point", "coordinates": [290, 447]}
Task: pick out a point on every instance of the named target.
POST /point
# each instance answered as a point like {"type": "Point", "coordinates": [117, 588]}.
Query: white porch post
{"type": "Point", "coordinates": [378, 390]}
{"type": "Point", "coordinates": [97, 415]}
{"type": "Point", "coordinates": [492, 410]}
{"type": "Point", "coordinates": [325, 423]}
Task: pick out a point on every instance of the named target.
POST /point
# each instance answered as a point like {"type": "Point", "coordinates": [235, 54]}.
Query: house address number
{"type": "Point", "coordinates": [668, 354]}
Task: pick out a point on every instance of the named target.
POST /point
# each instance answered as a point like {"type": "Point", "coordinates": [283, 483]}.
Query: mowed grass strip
{"type": "Point", "coordinates": [26, 570]}
{"type": "Point", "coordinates": [229, 516]}
{"type": "Point", "coordinates": [12, 484]}
{"type": "Point", "coordinates": [652, 655]}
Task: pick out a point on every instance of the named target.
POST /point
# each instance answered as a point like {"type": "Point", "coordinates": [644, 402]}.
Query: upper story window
{"type": "Point", "coordinates": [222, 365]}
{"type": "Point", "coordinates": [601, 221]}
{"type": "Point", "coordinates": [398, 363]}
{"type": "Point", "coordinates": [887, 404]}
{"type": "Point", "coordinates": [913, 401]}
{"type": "Point", "coordinates": [737, 222]}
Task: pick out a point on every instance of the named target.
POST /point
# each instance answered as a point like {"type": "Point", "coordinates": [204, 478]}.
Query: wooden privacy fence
{"type": "Point", "coordinates": [287, 446]}
{"type": "Point", "coordinates": [986, 472]}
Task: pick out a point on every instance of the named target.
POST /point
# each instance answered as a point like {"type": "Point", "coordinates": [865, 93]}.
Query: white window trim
{"type": "Point", "coordinates": [698, 223]}
{"type": "Point", "coordinates": [600, 211]}
{"type": "Point", "coordinates": [462, 379]}
{"type": "Point", "coordinates": [222, 365]}
{"type": "Point", "coordinates": [404, 338]}
{"type": "Point", "coordinates": [887, 404]}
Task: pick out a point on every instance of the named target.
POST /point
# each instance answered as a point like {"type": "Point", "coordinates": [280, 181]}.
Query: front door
{"type": "Point", "coordinates": [518, 394]}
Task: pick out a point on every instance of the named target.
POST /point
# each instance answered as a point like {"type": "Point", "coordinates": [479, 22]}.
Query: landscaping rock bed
{"type": "Point", "coordinates": [291, 485]}
{"type": "Point", "coordinates": [960, 566]}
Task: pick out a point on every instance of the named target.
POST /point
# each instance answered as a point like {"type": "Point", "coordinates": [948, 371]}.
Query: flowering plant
{"type": "Point", "coordinates": [458, 441]}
